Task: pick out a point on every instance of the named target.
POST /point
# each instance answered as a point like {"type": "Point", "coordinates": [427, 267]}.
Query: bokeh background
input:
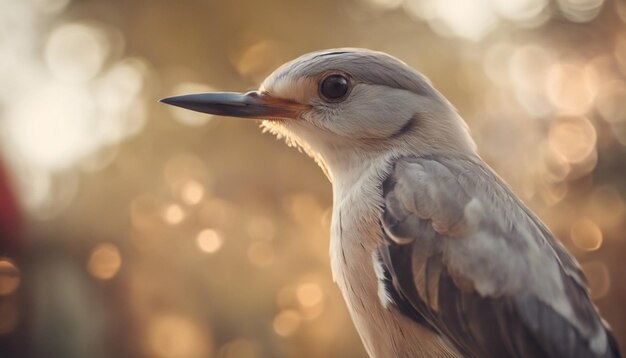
{"type": "Point", "coordinates": [132, 229]}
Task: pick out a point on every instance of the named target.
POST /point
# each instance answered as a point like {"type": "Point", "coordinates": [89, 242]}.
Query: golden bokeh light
{"type": "Point", "coordinates": [572, 138]}
{"type": "Point", "coordinates": [611, 101]}
{"type": "Point", "coordinates": [186, 175]}
{"type": "Point", "coordinates": [606, 207]}
{"type": "Point", "coordinates": [312, 312]}
{"type": "Point", "coordinates": [529, 12]}
{"type": "Point", "coordinates": [105, 261]}
{"type": "Point", "coordinates": [571, 88]}
{"type": "Point", "coordinates": [209, 240]}
{"type": "Point", "coordinates": [469, 20]}
{"type": "Point", "coordinates": [527, 66]}
{"type": "Point", "coordinates": [311, 300]}
{"type": "Point", "coordinates": [552, 193]}
{"type": "Point", "coordinates": [177, 336]}
{"type": "Point", "coordinates": [53, 134]}
{"type": "Point", "coordinates": [76, 52]}
{"type": "Point", "coordinates": [482, 17]}
{"type": "Point", "coordinates": [496, 63]}
{"type": "Point", "coordinates": [580, 10]}
{"type": "Point", "coordinates": [586, 235]}
{"type": "Point", "coordinates": [556, 167]}
{"type": "Point", "coordinates": [173, 214]}
{"type": "Point", "coordinates": [192, 192]}
{"type": "Point", "coordinates": [9, 277]}
{"type": "Point", "coordinates": [287, 322]}
{"type": "Point", "coordinates": [309, 294]}
{"type": "Point", "coordinates": [597, 274]}
{"type": "Point", "coordinates": [84, 106]}
{"type": "Point", "coordinates": [584, 167]}
{"type": "Point", "coordinates": [119, 98]}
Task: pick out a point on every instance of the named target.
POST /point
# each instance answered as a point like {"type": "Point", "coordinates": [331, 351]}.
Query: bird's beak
{"type": "Point", "coordinates": [246, 105]}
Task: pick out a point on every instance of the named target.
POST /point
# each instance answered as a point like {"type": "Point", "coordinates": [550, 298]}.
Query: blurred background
{"type": "Point", "coordinates": [133, 229]}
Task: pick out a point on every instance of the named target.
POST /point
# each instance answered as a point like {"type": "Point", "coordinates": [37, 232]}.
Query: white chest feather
{"type": "Point", "coordinates": [355, 235]}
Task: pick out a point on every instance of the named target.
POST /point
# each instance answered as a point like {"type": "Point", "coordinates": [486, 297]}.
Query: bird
{"type": "Point", "coordinates": [434, 254]}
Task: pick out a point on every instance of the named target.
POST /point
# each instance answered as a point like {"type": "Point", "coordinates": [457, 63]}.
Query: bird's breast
{"type": "Point", "coordinates": [355, 235]}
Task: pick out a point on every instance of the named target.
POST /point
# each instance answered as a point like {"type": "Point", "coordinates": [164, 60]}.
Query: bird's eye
{"type": "Point", "coordinates": [334, 87]}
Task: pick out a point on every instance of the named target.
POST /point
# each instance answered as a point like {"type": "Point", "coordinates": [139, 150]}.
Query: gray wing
{"type": "Point", "coordinates": [466, 258]}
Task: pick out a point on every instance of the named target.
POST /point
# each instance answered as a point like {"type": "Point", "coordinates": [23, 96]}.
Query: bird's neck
{"type": "Point", "coordinates": [350, 159]}
{"type": "Point", "coordinates": [350, 163]}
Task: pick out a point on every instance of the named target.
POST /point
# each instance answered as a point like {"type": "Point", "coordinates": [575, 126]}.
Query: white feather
{"type": "Point", "coordinates": [383, 295]}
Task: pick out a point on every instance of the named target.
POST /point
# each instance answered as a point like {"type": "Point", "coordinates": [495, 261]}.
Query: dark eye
{"type": "Point", "coordinates": [334, 87]}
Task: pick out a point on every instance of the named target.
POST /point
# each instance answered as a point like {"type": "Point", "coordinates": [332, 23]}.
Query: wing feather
{"type": "Point", "coordinates": [466, 258]}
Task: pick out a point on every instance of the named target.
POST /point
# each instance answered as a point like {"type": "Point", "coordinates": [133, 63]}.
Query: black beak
{"type": "Point", "coordinates": [246, 105]}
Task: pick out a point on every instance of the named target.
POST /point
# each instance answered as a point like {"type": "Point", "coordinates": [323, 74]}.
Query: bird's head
{"type": "Point", "coordinates": [344, 104]}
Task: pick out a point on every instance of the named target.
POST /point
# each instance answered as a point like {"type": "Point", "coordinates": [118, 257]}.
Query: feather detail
{"type": "Point", "coordinates": [472, 261]}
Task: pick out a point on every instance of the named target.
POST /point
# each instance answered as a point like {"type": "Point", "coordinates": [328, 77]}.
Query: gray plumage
{"type": "Point", "coordinates": [468, 260]}
{"type": "Point", "coordinates": [364, 66]}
